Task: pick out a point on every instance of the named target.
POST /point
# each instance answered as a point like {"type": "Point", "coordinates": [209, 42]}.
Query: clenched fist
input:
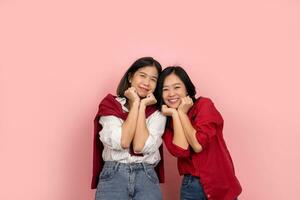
{"type": "Point", "coordinates": [166, 111]}
{"type": "Point", "coordinates": [149, 100]}
{"type": "Point", "coordinates": [132, 95]}
{"type": "Point", "coordinates": [186, 104]}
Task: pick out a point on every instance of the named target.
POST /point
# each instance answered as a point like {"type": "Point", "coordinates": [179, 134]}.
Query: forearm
{"type": "Point", "coordinates": [179, 138]}
{"type": "Point", "coordinates": [173, 148]}
{"type": "Point", "coordinates": [189, 132]}
{"type": "Point", "coordinates": [129, 126]}
{"type": "Point", "coordinates": [141, 132]}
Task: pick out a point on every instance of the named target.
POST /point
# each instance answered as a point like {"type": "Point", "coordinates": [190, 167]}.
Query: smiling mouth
{"type": "Point", "coordinates": [144, 89]}
{"type": "Point", "coordinates": [173, 101]}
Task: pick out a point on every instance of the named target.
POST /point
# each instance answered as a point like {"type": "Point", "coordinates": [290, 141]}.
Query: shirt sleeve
{"type": "Point", "coordinates": [207, 122]}
{"type": "Point", "coordinates": [156, 125]}
{"type": "Point", "coordinates": [175, 150]}
{"type": "Point", "coordinates": [111, 132]}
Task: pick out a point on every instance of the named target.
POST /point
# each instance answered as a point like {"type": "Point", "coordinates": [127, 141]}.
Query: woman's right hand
{"type": "Point", "coordinates": [168, 111]}
{"type": "Point", "coordinates": [132, 95]}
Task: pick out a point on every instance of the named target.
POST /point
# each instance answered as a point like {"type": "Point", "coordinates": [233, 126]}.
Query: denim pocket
{"type": "Point", "coordinates": [107, 173]}
{"type": "Point", "coordinates": [186, 181]}
{"type": "Point", "coordinates": [152, 176]}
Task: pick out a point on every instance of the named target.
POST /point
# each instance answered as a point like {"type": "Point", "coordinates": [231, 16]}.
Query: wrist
{"type": "Point", "coordinates": [135, 103]}
{"type": "Point", "coordinates": [181, 112]}
{"type": "Point", "coordinates": [142, 105]}
{"type": "Point", "coordinates": [174, 113]}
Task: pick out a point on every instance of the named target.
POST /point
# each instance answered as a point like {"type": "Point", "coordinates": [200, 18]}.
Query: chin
{"type": "Point", "coordinates": [173, 106]}
{"type": "Point", "coordinates": [142, 94]}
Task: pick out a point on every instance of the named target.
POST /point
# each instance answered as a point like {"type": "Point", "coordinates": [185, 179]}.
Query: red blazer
{"type": "Point", "coordinates": [110, 106]}
{"type": "Point", "coordinates": [213, 165]}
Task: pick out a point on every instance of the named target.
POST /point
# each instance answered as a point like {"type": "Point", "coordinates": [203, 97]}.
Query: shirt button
{"type": "Point", "coordinates": [208, 196]}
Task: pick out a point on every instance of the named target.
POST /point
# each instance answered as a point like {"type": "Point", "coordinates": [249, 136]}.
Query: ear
{"type": "Point", "coordinates": [129, 77]}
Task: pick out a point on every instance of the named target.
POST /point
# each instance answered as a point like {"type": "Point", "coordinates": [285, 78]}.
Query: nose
{"type": "Point", "coordinates": [171, 93]}
{"type": "Point", "coordinates": [146, 81]}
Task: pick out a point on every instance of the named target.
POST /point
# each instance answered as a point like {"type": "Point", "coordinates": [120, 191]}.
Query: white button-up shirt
{"type": "Point", "coordinates": [110, 136]}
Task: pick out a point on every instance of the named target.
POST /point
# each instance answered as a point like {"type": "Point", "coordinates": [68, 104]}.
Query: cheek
{"type": "Point", "coordinates": [136, 82]}
{"type": "Point", "coordinates": [183, 93]}
{"type": "Point", "coordinates": [153, 86]}
{"type": "Point", "coordinates": [164, 96]}
{"type": "Point", "coordinates": [133, 84]}
{"type": "Point", "coordinates": [135, 79]}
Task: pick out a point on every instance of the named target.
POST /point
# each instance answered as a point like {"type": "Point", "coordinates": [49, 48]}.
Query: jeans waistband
{"type": "Point", "coordinates": [129, 166]}
{"type": "Point", "coordinates": [189, 175]}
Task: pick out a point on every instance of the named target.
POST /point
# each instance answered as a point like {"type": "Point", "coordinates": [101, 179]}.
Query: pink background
{"type": "Point", "coordinates": [59, 58]}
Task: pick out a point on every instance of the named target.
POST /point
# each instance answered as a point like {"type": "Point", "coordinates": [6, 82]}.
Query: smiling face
{"type": "Point", "coordinates": [144, 80]}
{"type": "Point", "coordinates": [173, 90]}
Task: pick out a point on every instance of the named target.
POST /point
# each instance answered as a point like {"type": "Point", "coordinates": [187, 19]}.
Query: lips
{"type": "Point", "coordinates": [173, 101]}
{"type": "Point", "coordinates": [143, 89]}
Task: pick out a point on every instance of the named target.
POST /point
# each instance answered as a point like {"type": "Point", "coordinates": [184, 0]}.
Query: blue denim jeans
{"type": "Point", "coordinates": [136, 181]}
{"type": "Point", "coordinates": [191, 189]}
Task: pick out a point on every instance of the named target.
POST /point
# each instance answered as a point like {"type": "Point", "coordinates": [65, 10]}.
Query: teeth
{"type": "Point", "coordinates": [173, 100]}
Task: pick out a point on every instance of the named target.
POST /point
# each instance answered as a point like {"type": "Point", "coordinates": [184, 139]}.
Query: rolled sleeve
{"type": "Point", "coordinates": [207, 123]}
{"type": "Point", "coordinates": [152, 144]}
{"type": "Point", "coordinates": [173, 148]}
{"type": "Point", "coordinates": [155, 124]}
{"type": "Point", "coordinates": [111, 132]}
{"type": "Point", "coordinates": [205, 133]}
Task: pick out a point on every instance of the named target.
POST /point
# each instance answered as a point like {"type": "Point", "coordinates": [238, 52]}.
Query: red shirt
{"type": "Point", "coordinates": [213, 165]}
{"type": "Point", "coordinates": [110, 106]}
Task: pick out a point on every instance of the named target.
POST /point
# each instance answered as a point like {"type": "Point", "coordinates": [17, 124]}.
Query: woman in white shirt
{"type": "Point", "coordinates": [131, 136]}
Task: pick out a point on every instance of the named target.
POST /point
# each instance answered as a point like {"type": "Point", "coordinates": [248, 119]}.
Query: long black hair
{"type": "Point", "coordinates": [139, 63]}
{"type": "Point", "coordinates": [182, 75]}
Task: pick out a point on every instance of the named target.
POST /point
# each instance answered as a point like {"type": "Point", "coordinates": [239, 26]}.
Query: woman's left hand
{"type": "Point", "coordinates": [166, 111]}
{"type": "Point", "coordinates": [149, 100]}
{"type": "Point", "coordinates": [185, 105]}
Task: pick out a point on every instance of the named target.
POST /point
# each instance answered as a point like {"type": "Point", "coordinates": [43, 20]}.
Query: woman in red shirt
{"type": "Point", "coordinates": [194, 135]}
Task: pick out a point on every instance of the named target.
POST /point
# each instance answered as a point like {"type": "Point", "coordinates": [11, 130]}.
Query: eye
{"type": "Point", "coordinates": [165, 89]}
{"type": "Point", "coordinates": [143, 75]}
{"type": "Point", "coordinates": [154, 80]}
{"type": "Point", "coordinates": [177, 87]}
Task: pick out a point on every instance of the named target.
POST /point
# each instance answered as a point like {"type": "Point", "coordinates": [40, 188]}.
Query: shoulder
{"type": "Point", "coordinates": [108, 97]}
{"type": "Point", "coordinates": [157, 121]}
{"type": "Point", "coordinates": [202, 102]}
{"type": "Point", "coordinates": [157, 115]}
{"type": "Point", "coordinates": [157, 118]}
{"type": "Point", "coordinates": [109, 100]}
{"type": "Point", "coordinates": [204, 105]}
{"type": "Point", "coordinates": [109, 106]}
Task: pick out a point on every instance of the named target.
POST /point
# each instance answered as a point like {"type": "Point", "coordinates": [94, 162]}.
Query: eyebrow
{"type": "Point", "coordinates": [148, 75]}
{"type": "Point", "coordinates": [175, 84]}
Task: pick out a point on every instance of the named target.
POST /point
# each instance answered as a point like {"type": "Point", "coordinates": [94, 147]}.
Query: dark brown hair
{"type": "Point", "coordinates": [141, 62]}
